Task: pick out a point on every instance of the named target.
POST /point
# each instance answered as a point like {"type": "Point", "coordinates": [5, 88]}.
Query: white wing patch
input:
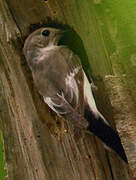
{"type": "Point", "coordinates": [52, 105]}
{"type": "Point", "coordinates": [71, 85]}
{"type": "Point", "coordinates": [89, 99]}
{"type": "Point", "coordinates": [48, 101]}
{"type": "Point", "coordinates": [64, 107]}
{"type": "Point", "coordinates": [88, 96]}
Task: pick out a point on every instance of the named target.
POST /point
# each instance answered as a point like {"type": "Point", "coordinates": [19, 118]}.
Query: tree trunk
{"type": "Point", "coordinates": [34, 145]}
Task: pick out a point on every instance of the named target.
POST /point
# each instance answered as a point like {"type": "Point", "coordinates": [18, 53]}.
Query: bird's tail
{"type": "Point", "coordinates": [105, 133]}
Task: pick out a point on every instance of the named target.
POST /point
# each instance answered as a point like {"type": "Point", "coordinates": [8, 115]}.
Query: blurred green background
{"type": "Point", "coordinates": [2, 164]}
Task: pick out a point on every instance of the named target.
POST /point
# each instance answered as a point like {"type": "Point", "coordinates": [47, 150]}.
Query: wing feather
{"type": "Point", "coordinates": [98, 125]}
{"type": "Point", "coordinates": [67, 97]}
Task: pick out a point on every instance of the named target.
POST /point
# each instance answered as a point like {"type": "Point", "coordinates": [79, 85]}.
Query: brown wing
{"type": "Point", "coordinates": [68, 83]}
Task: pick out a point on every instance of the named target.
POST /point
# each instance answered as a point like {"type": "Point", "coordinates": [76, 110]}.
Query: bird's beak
{"type": "Point", "coordinates": [61, 32]}
{"type": "Point", "coordinates": [58, 35]}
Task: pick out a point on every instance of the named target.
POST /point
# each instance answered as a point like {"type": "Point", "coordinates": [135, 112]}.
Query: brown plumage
{"type": "Point", "coordinates": [61, 81]}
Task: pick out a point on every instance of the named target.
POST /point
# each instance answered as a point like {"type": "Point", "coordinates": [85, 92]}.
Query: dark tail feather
{"type": "Point", "coordinates": [103, 131]}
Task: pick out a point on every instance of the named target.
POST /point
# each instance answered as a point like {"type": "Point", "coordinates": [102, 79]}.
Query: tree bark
{"type": "Point", "coordinates": [35, 148]}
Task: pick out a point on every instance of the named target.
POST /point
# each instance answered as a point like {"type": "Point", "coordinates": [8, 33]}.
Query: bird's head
{"type": "Point", "coordinates": [41, 38]}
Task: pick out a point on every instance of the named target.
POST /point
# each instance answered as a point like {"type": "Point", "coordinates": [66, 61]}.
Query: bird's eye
{"type": "Point", "coordinates": [45, 33]}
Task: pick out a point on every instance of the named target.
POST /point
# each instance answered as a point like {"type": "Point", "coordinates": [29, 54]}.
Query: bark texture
{"type": "Point", "coordinates": [35, 148]}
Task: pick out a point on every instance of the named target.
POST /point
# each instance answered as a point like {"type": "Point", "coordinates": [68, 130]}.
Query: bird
{"type": "Point", "coordinates": [62, 83]}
